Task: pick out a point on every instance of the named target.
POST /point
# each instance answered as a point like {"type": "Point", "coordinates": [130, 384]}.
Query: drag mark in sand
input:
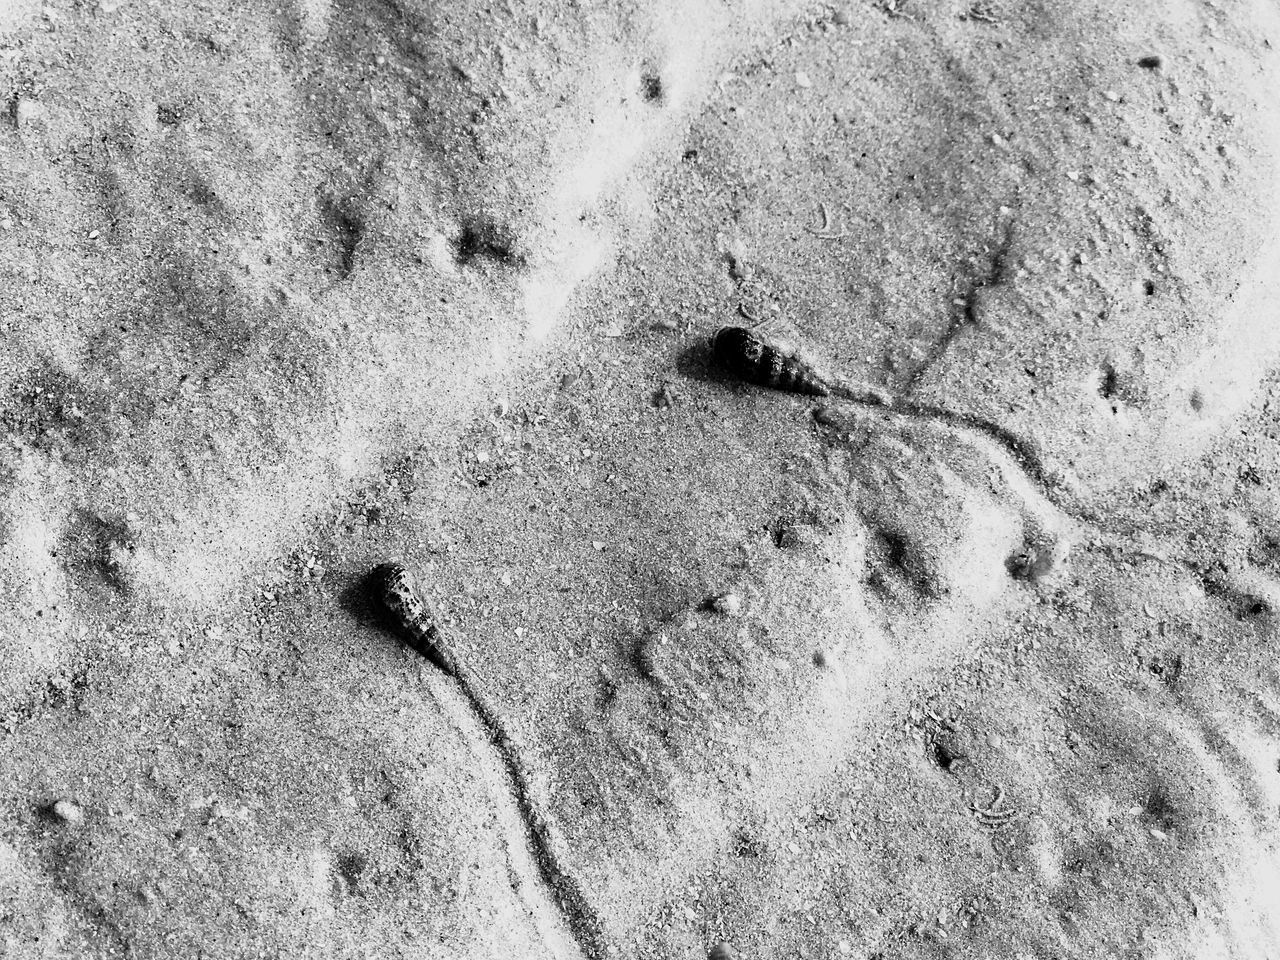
{"type": "Point", "coordinates": [754, 358]}
{"type": "Point", "coordinates": [566, 921]}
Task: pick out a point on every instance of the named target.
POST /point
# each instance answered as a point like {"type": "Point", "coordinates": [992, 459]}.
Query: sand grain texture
{"type": "Point", "coordinates": [290, 289]}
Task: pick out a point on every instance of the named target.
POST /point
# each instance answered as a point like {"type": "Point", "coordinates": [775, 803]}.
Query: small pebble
{"type": "Point", "coordinates": [788, 537]}
{"type": "Point", "coordinates": [802, 79]}
{"type": "Point", "coordinates": [826, 417]}
{"type": "Point", "coordinates": [730, 604]}
{"type": "Point", "coordinates": [1152, 62]}
{"type": "Point", "coordinates": [27, 111]}
{"type": "Point", "coordinates": [841, 18]}
{"type": "Point", "coordinates": [68, 811]}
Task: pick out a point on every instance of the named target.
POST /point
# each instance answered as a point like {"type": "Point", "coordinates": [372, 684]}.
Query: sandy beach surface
{"type": "Point", "coordinates": [973, 657]}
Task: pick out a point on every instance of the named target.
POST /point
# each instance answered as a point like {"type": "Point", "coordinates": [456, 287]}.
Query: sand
{"type": "Point", "coordinates": [984, 670]}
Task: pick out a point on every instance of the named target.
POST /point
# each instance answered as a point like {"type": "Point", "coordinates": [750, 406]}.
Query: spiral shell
{"type": "Point", "coordinates": [766, 363]}
{"type": "Point", "coordinates": [396, 590]}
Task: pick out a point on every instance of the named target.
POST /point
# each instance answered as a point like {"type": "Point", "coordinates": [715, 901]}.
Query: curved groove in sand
{"type": "Point", "coordinates": [988, 436]}
{"type": "Point", "coordinates": [565, 919]}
